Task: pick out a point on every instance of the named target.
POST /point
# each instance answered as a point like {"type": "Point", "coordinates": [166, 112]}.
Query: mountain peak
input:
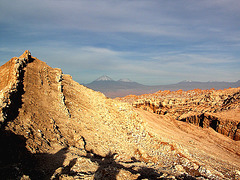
{"type": "Point", "coordinates": [104, 78]}
{"type": "Point", "coordinates": [186, 81]}
{"type": "Point", "coordinates": [125, 80]}
{"type": "Point", "coordinates": [26, 54]}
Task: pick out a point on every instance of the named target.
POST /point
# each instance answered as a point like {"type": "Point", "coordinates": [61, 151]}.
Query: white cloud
{"type": "Point", "coordinates": [194, 59]}
{"type": "Point", "coordinates": [88, 62]}
{"type": "Point", "coordinates": [145, 39]}
{"type": "Point", "coordinates": [199, 19]}
{"type": "Point", "coordinates": [117, 63]}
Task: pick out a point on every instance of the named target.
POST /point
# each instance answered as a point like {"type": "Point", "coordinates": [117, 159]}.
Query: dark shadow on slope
{"type": "Point", "coordinates": [236, 136]}
{"type": "Point", "coordinates": [67, 169]}
{"type": "Point", "coordinates": [109, 168]}
{"type": "Point", "coordinates": [16, 160]}
{"type": "Point", "coordinates": [46, 164]}
{"type": "Point", "coordinates": [11, 111]}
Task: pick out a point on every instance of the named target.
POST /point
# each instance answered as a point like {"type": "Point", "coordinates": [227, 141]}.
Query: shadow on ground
{"type": "Point", "coordinates": [16, 160]}
{"type": "Point", "coordinates": [109, 168]}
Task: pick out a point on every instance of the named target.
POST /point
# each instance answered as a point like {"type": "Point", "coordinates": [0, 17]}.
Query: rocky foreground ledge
{"type": "Point", "coordinates": [54, 128]}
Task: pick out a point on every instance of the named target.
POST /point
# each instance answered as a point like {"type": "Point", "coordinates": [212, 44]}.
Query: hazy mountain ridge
{"type": "Point", "coordinates": [107, 84]}
{"type": "Point", "coordinates": [112, 88]}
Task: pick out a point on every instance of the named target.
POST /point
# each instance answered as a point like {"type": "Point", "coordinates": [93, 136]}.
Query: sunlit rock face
{"type": "Point", "coordinates": [218, 109]}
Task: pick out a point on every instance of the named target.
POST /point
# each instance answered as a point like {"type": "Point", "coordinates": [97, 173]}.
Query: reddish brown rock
{"type": "Point", "coordinates": [218, 109]}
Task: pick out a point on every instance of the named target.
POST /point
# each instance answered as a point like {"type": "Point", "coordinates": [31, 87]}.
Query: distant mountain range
{"type": "Point", "coordinates": [124, 87]}
{"type": "Point", "coordinates": [106, 78]}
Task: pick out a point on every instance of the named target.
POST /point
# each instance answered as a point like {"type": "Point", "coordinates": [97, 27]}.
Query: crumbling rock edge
{"type": "Point", "coordinates": [10, 96]}
{"type": "Point", "coordinates": [204, 108]}
{"type": "Point", "coordinates": [204, 120]}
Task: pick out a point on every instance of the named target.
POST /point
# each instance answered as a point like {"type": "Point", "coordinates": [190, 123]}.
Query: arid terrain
{"type": "Point", "coordinates": [54, 128]}
{"type": "Point", "coordinates": [217, 109]}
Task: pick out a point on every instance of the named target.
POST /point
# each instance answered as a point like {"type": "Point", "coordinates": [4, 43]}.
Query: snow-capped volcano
{"type": "Point", "coordinates": [124, 87]}
{"type": "Point", "coordinates": [104, 78]}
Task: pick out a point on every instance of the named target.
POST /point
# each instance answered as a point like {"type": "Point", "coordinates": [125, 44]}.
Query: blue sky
{"type": "Point", "coordinates": [148, 41]}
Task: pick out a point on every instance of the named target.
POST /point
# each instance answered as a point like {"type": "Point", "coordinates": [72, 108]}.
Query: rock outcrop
{"type": "Point", "coordinates": [218, 109]}
{"type": "Point", "coordinates": [54, 128]}
{"type": "Point", "coordinates": [11, 86]}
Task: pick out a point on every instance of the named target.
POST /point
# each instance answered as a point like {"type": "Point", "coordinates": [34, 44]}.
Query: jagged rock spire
{"type": "Point", "coordinates": [26, 54]}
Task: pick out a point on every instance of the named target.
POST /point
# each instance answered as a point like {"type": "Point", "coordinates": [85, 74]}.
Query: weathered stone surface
{"type": "Point", "coordinates": [218, 109]}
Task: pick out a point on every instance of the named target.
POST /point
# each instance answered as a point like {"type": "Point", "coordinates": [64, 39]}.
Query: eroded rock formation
{"type": "Point", "coordinates": [218, 109]}
{"type": "Point", "coordinates": [54, 128]}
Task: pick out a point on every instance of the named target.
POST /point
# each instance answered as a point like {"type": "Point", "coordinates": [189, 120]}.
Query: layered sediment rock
{"type": "Point", "coordinates": [218, 109]}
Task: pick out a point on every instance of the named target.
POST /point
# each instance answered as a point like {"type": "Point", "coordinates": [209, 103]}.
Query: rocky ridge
{"type": "Point", "coordinates": [54, 128]}
{"type": "Point", "coordinates": [218, 109]}
{"type": "Point", "coordinates": [12, 86]}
